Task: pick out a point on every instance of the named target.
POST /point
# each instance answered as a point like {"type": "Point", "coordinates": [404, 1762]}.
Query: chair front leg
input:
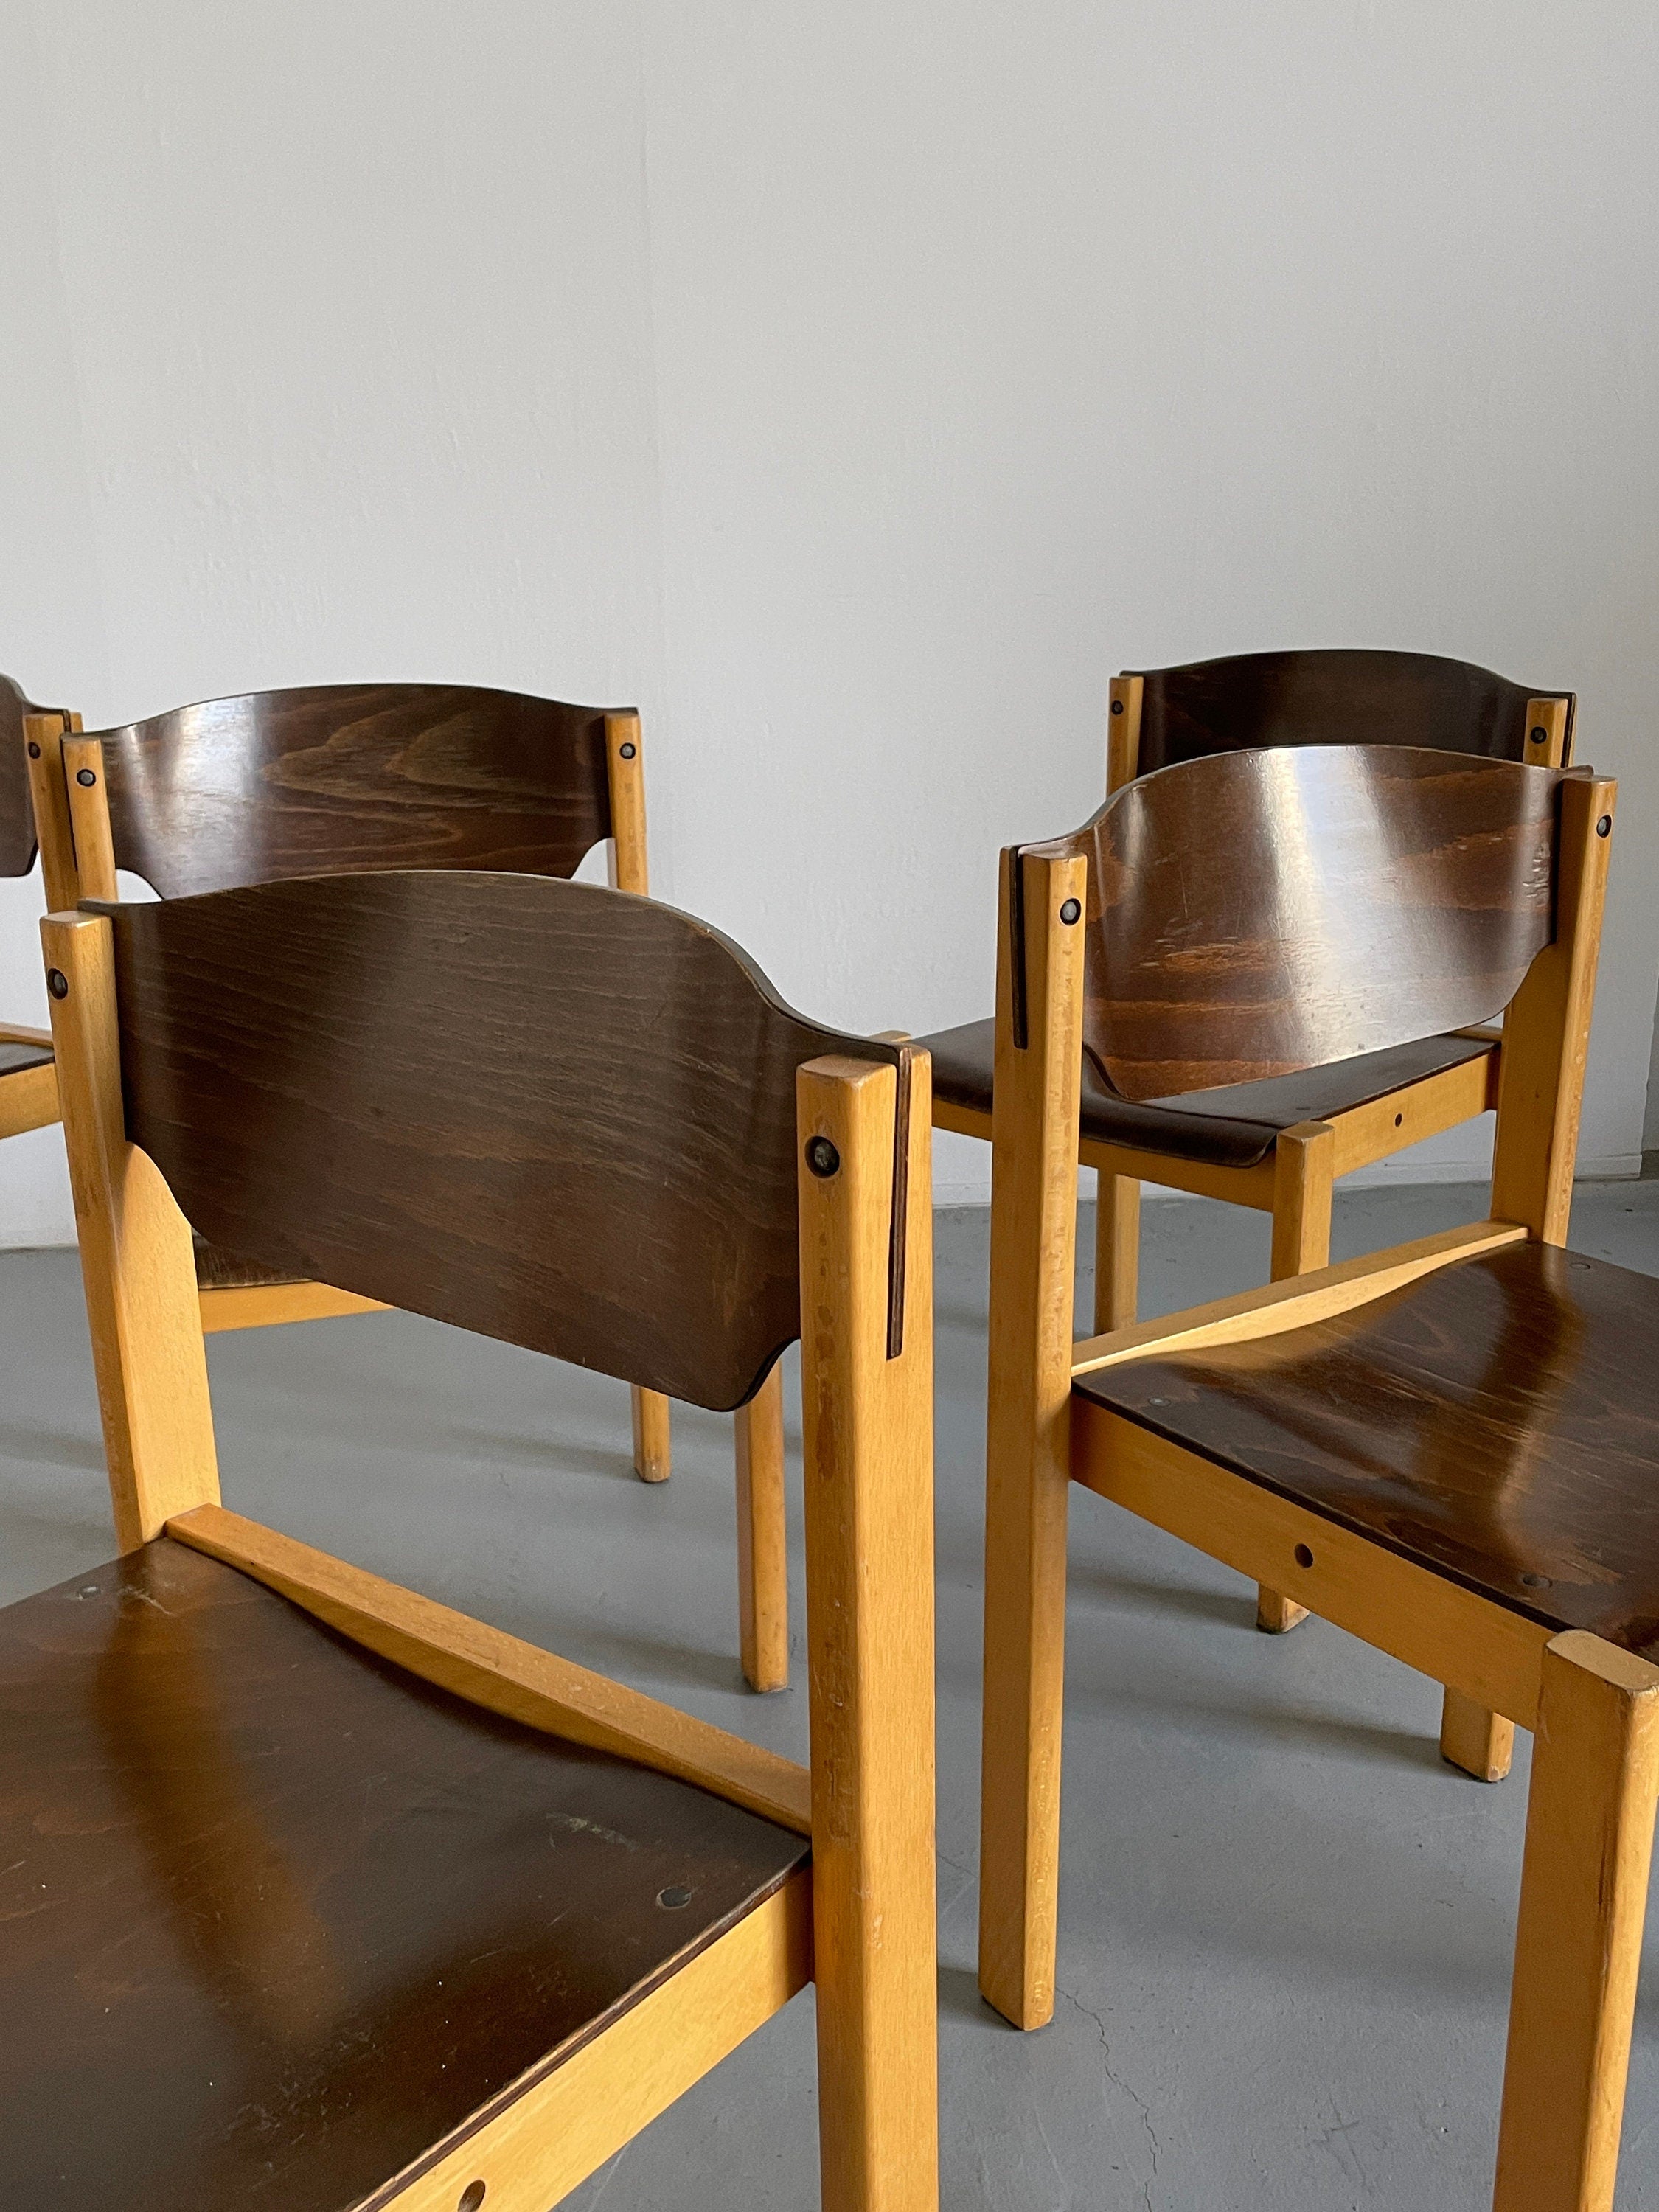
{"type": "Point", "coordinates": [1303, 1159]}
{"type": "Point", "coordinates": [762, 1539]}
{"type": "Point", "coordinates": [651, 1459]}
{"type": "Point", "coordinates": [1578, 1939]}
{"type": "Point", "coordinates": [1118, 1252]}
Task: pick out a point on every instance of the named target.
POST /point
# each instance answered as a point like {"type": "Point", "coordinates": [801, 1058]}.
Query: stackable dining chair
{"type": "Point", "coordinates": [304, 782]}
{"type": "Point", "coordinates": [1277, 1145]}
{"type": "Point", "coordinates": [1450, 1449]}
{"type": "Point", "coordinates": [28, 1086]}
{"type": "Point", "coordinates": [321, 1894]}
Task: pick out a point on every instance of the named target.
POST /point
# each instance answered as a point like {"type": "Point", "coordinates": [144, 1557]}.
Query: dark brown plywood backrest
{"type": "Point", "coordinates": [1334, 697]}
{"type": "Point", "coordinates": [1259, 913]}
{"type": "Point", "coordinates": [338, 776]}
{"type": "Point", "coordinates": [553, 1114]}
{"type": "Point", "coordinates": [16, 808]}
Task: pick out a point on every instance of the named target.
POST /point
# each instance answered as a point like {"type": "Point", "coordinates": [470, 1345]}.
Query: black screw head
{"type": "Point", "coordinates": [1538, 735]}
{"type": "Point", "coordinates": [1604, 827]}
{"type": "Point", "coordinates": [58, 982]}
{"type": "Point", "coordinates": [822, 1156]}
{"type": "Point", "coordinates": [85, 778]}
{"type": "Point", "coordinates": [628, 752]}
{"type": "Point", "coordinates": [672, 1899]}
{"type": "Point", "coordinates": [1302, 1556]}
{"type": "Point", "coordinates": [1536, 1581]}
{"type": "Point", "coordinates": [1117, 706]}
{"type": "Point", "coordinates": [34, 749]}
{"type": "Point", "coordinates": [1070, 911]}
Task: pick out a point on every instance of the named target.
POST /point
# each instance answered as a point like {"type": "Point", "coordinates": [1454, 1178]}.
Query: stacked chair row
{"type": "Point", "coordinates": [369, 1039]}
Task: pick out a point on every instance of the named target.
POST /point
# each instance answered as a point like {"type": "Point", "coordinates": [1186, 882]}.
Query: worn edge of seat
{"type": "Point", "coordinates": [502, 1673]}
{"type": "Point", "coordinates": [546, 2132]}
{"type": "Point", "coordinates": [1296, 1302]}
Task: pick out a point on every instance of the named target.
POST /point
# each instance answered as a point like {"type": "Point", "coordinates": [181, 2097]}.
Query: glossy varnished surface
{"type": "Point", "coordinates": [391, 775]}
{"type": "Point", "coordinates": [278, 1918]}
{"type": "Point", "coordinates": [554, 1114]}
{"type": "Point", "coordinates": [1497, 1421]}
{"type": "Point", "coordinates": [1235, 1128]}
{"type": "Point", "coordinates": [17, 809]}
{"type": "Point", "coordinates": [1260, 913]}
{"type": "Point", "coordinates": [1327, 698]}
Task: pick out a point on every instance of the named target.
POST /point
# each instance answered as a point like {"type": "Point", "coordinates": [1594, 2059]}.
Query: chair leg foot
{"type": "Point", "coordinates": [1276, 1615]}
{"type": "Point", "coordinates": [1480, 1742]}
{"type": "Point", "coordinates": [763, 1540]}
{"type": "Point", "coordinates": [1578, 1938]}
{"type": "Point", "coordinates": [651, 1450]}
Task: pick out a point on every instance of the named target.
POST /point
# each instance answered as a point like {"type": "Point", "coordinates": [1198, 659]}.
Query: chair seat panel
{"type": "Point", "coordinates": [281, 1918]}
{"type": "Point", "coordinates": [1235, 1126]}
{"type": "Point", "coordinates": [1496, 1421]}
{"type": "Point", "coordinates": [17, 1059]}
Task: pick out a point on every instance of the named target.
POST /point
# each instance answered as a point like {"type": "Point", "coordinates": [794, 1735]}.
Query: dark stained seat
{"type": "Point", "coordinates": [15, 1059]}
{"type": "Point", "coordinates": [280, 1917]}
{"type": "Point", "coordinates": [1235, 1126]}
{"type": "Point", "coordinates": [1496, 1421]}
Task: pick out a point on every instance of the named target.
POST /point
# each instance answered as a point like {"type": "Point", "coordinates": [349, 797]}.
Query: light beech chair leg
{"type": "Point", "coordinates": [1480, 1742]}
{"type": "Point", "coordinates": [1303, 1161]}
{"type": "Point", "coordinates": [1578, 1939]}
{"type": "Point", "coordinates": [1118, 1252]}
{"type": "Point", "coordinates": [762, 1544]}
{"type": "Point", "coordinates": [1028, 1455]}
{"type": "Point", "coordinates": [868, 1413]}
{"type": "Point", "coordinates": [651, 1461]}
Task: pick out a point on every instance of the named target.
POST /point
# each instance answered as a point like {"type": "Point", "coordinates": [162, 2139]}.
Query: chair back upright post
{"type": "Point", "coordinates": [44, 736]}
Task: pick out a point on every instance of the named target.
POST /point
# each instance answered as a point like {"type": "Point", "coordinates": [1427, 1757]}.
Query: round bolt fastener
{"type": "Point", "coordinates": [1538, 733]}
{"type": "Point", "coordinates": [1117, 706]}
{"type": "Point", "coordinates": [628, 752]}
{"type": "Point", "coordinates": [472, 2196]}
{"type": "Point", "coordinates": [85, 778]}
{"type": "Point", "coordinates": [1536, 1581]}
{"type": "Point", "coordinates": [58, 982]}
{"type": "Point", "coordinates": [1604, 827]}
{"type": "Point", "coordinates": [822, 1156]}
{"type": "Point", "coordinates": [673, 1898]}
{"type": "Point", "coordinates": [34, 749]}
{"type": "Point", "coordinates": [1070, 911]}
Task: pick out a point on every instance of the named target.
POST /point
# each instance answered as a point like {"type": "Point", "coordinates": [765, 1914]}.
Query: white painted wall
{"type": "Point", "coordinates": [856, 389]}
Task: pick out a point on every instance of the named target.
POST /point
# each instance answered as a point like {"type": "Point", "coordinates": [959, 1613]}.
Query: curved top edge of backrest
{"type": "Point", "coordinates": [1254, 913]}
{"type": "Point", "coordinates": [1336, 694]}
{"type": "Point", "coordinates": [17, 840]}
{"type": "Point", "coordinates": [554, 1114]}
{"type": "Point", "coordinates": [261, 785]}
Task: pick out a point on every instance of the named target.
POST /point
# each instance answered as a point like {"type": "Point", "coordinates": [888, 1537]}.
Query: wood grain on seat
{"type": "Point", "coordinates": [1334, 697]}
{"type": "Point", "coordinates": [279, 1918]}
{"type": "Point", "coordinates": [334, 777]}
{"type": "Point", "coordinates": [1234, 1126]}
{"type": "Point", "coordinates": [1496, 1421]}
{"type": "Point", "coordinates": [534, 1109]}
{"type": "Point", "coordinates": [1262, 912]}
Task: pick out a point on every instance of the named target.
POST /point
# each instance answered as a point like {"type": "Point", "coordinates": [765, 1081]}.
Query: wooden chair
{"type": "Point", "coordinates": [1451, 1449]}
{"type": "Point", "coordinates": [1280, 1144]}
{"type": "Point", "coordinates": [28, 1086]}
{"type": "Point", "coordinates": [319, 1893]}
{"type": "Point", "coordinates": [304, 782]}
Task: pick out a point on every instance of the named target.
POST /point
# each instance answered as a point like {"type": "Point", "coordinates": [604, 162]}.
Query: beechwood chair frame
{"type": "Point", "coordinates": [1594, 1707]}
{"type": "Point", "coordinates": [859, 1920]}
{"type": "Point", "coordinates": [1294, 1182]}
{"type": "Point", "coordinates": [28, 1095]}
{"type": "Point", "coordinates": [78, 860]}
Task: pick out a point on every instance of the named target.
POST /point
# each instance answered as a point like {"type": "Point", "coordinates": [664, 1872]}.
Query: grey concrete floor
{"type": "Point", "coordinates": [1285, 1926]}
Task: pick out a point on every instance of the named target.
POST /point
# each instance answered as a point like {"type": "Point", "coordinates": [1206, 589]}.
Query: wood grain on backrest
{"type": "Point", "coordinates": [17, 809]}
{"type": "Point", "coordinates": [392, 776]}
{"type": "Point", "coordinates": [549, 1113]}
{"type": "Point", "coordinates": [1260, 912]}
{"type": "Point", "coordinates": [1336, 697]}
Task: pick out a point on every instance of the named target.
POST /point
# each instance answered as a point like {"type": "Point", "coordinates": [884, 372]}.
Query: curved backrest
{"type": "Point", "coordinates": [557, 1115]}
{"type": "Point", "coordinates": [361, 777]}
{"type": "Point", "coordinates": [1336, 697]}
{"type": "Point", "coordinates": [1260, 912]}
{"type": "Point", "coordinates": [16, 808]}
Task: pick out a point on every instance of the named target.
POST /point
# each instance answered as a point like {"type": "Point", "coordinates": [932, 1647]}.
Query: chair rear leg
{"type": "Point", "coordinates": [1118, 1252]}
{"type": "Point", "coordinates": [1480, 1742]}
{"type": "Point", "coordinates": [762, 1542]}
{"type": "Point", "coordinates": [1578, 1939]}
{"type": "Point", "coordinates": [651, 1459]}
{"type": "Point", "coordinates": [1303, 1163]}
